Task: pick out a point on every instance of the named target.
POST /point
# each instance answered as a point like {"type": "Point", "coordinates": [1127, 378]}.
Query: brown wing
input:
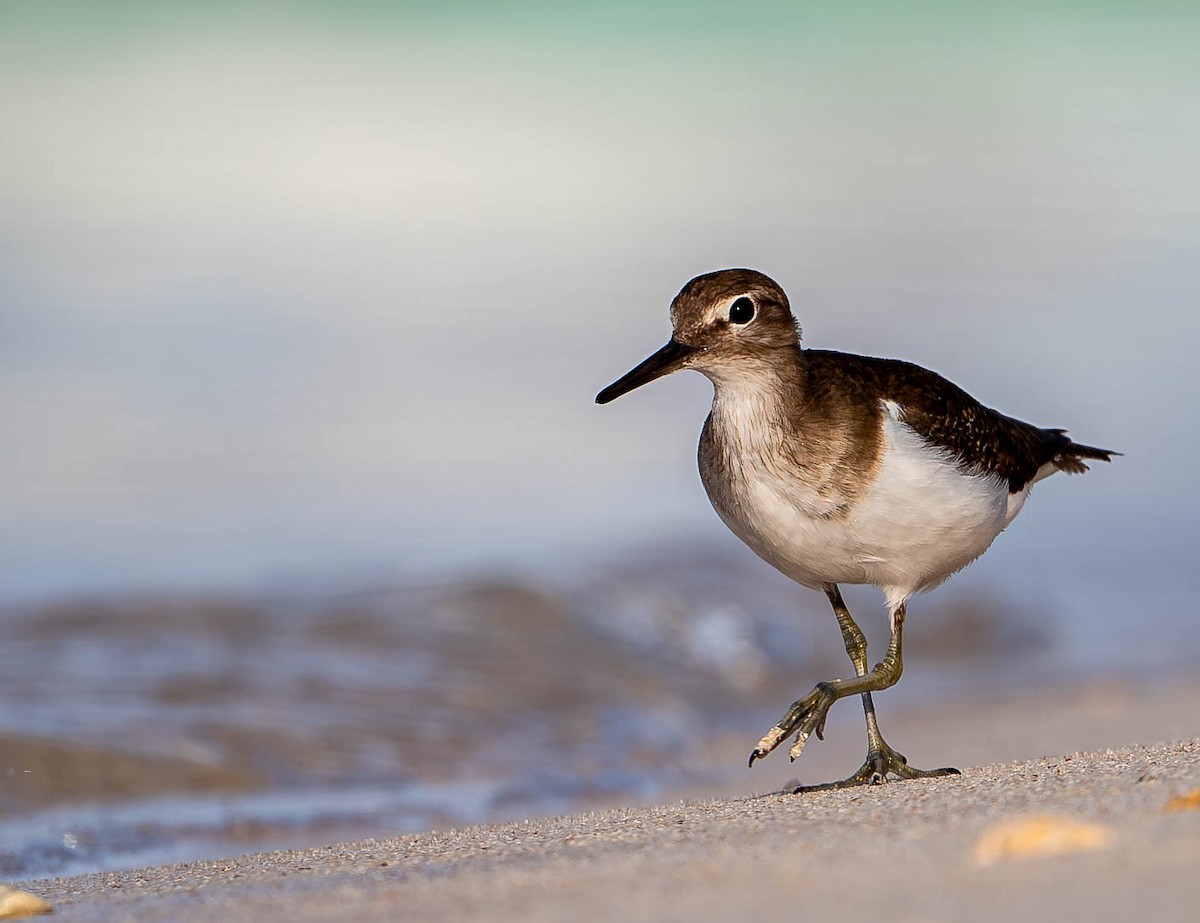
{"type": "Point", "coordinates": [983, 440]}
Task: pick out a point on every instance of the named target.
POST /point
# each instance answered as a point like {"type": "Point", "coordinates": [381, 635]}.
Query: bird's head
{"type": "Point", "coordinates": [722, 322]}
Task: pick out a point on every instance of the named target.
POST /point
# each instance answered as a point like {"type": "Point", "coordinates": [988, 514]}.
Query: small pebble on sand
{"type": "Point", "coordinates": [1039, 836]}
{"type": "Point", "coordinates": [1188, 802]}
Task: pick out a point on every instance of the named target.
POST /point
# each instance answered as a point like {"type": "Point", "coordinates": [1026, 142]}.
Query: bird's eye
{"type": "Point", "coordinates": [741, 311]}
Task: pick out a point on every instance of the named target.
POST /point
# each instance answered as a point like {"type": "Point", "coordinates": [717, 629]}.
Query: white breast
{"type": "Point", "coordinates": [921, 519]}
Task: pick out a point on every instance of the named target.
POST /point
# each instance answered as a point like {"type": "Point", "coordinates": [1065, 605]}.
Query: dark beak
{"type": "Point", "coordinates": [667, 360]}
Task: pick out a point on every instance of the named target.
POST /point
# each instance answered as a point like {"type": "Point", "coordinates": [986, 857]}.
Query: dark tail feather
{"type": "Point", "coordinates": [1070, 459]}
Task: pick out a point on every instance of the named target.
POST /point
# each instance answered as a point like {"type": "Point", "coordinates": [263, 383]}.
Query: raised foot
{"type": "Point", "coordinates": [879, 764]}
{"type": "Point", "coordinates": [805, 717]}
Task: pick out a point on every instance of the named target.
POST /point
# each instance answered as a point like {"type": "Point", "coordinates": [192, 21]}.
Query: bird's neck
{"type": "Point", "coordinates": [759, 399]}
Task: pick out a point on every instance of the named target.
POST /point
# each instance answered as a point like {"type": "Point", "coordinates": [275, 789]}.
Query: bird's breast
{"type": "Point", "coordinates": [906, 519]}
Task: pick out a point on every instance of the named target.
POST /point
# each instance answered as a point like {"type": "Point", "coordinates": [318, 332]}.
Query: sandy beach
{"type": "Point", "coordinates": [1106, 769]}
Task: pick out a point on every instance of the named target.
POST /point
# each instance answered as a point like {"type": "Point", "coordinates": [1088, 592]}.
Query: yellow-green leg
{"type": "Point", "coordinates": [807, 715]}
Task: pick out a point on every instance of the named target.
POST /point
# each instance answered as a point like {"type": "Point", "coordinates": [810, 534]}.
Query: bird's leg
{"type": "Point", "coordinates": [807, 715]}
{"type": "Point", "coordinates": [881, 758]}
{"type": "Point", "coordinates": [856, 647]}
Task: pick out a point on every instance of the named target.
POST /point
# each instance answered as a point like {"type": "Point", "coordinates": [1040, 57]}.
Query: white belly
{"type": "Point", "coordinates": [921, 519]}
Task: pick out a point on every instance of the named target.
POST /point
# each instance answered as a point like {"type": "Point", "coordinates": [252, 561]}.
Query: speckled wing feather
{"type": "Point", "coordinates": [983, 440]}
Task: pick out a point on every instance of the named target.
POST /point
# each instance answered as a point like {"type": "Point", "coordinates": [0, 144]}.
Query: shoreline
{"type": "Point", "coordinates": [903, 849]}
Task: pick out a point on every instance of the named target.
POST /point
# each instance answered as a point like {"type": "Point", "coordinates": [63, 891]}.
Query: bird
{"type": "Point", "coordinates": [838, 469]}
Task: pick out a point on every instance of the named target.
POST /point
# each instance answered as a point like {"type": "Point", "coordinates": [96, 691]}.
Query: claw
{"type": "Point", "coordinates": [769, 742]}
{"type": "Point", "coordinates": [875, 771]}
{"type": "Point", "coordinates": [806, 717]}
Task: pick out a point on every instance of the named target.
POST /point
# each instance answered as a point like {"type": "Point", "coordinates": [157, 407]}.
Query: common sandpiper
{"type": "Point", "coordinates": [844, 469]}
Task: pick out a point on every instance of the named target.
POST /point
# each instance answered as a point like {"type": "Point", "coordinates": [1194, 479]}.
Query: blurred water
{"type": "Point", "coordinates": [150, 729]}
{"type": "Point", "coordinates": [296, 301]}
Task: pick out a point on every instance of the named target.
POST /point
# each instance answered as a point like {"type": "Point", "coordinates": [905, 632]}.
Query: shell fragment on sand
{"type": "Point", "coordinates": [15, 904]}
{"type": "Point", "coordinates": [1039, 836]}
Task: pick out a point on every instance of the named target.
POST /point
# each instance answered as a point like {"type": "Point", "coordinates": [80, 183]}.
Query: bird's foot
{"type": "Point", "coordinates": [879, 764]}
{"type": "Point", "coordinates": [805, 717]}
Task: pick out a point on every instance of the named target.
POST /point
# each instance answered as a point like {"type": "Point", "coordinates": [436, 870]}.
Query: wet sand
{"type": "Point", "coordinates": [53, 772]}
{"type": "Point", "coordinates": [904, 850]}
